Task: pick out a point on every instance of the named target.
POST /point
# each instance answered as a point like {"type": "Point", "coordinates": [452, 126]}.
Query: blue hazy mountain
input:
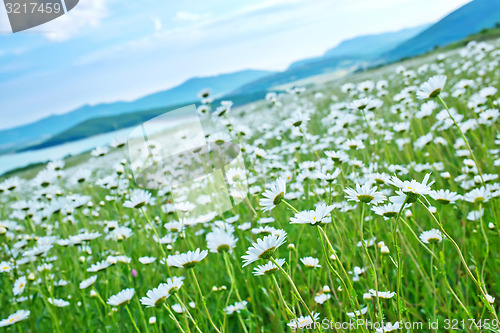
{"type": "Point", "coordinates": [467, 20]}
{"type": "Point", "coordinates": [356, 52]}
{"type": "Point", "coordinates": [186, 92]}
{"type": "Point", "coordinates": [367, 46]}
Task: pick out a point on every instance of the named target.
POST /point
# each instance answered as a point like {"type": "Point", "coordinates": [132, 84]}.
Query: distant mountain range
{"type": "Point", "coordinates": [467, 20]}
{"type": "Point", "coordinates": [352, 53]}
{"type": "Point", "coordinates": [44, 129]}
{"type": "Point", "coordinates": [246, 86]}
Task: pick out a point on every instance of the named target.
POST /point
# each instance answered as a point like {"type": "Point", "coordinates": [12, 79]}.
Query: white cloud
{"type": "Point", "coordinates": [157, 23]}
{"type": "Point", "coordinates": [87, 14]}
{"type": "Point", "coordinates": [187, 16]}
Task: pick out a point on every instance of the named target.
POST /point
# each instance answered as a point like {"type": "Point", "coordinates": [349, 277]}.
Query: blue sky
{"type": "Point", "coordinates": [109, 50]}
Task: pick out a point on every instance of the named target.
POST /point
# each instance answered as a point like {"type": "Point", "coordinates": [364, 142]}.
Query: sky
{"type": "Point", "coordinates": [110, 50]}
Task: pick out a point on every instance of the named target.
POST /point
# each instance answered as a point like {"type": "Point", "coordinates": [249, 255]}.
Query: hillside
{"type": "Point", "coordinates": [107, 124]}
{"type": "Point", "coordinates": [469, 19]}
{"type": "Point", "coordinates": [44, 129]}
{"type": "Point", "coordinates": [350, 54]}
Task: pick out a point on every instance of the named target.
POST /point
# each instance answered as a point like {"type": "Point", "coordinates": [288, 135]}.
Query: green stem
{"type": "Point", "coordinates": [132, 319]}
{"type": "Point", "coordinates": [462, 259]}
{"type": "Point", "coordinates": [296, 291]}
{"type": "Point", "coordinates": [203, 301]}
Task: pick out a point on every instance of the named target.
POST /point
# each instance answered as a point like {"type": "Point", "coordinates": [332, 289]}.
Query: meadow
{"type": "Point", "coordinates": [372, 206]}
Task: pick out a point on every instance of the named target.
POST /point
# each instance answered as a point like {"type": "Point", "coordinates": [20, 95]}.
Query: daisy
{"type": "Point", "coordinates": [60, 303]}
{"type": "Point", "coordinates": [490, 299]}
{"type": "Point", "coordinates": [138, 198]}
{"type": "Point", "coordinates": [88, 282]}
{"type": "Point", "coordinates": [123, 297]}
{"type": "Point", "coordinates": [5, 267]}
{"type": "Point", "coordinates": [478, 195]}
{"type": "Point", "coordinates": [445, 196]}
{"type": "Point", "coordinates": [312, 217]}
{"type": "Point", "coordinates": [431, 236]}
{"type": "Point", "coordinates": [99, 266]}
{"type": "Point", "coordinates": [19, 286]}
{"type": "Point", "coordinates": [264, 248]}
{"type": "Point", "coordinates": [15, 317]}
{"type": "Point", "coordinates": [146, 260]}
{"type": "Point", "coordinates": [411, 190]}
{"type": "Point", "coordinates": [320, 299]}
{"type": "Point", "coordinates": [186, 260]}
{"type": "Point", "coordinates": [336, 156]}
{"type": "Point", "coordinates": [388, 210]}
{"type": "Point", "coordinates": [382, 294]}
{"type": "Point", "coordinates": [237, 307]}
{"type": "Point", "coordinates": [358, 313]}
{"type": "Point", "coordinates": [269, 268]}
{"type": "Point", "coordinates": [173, 284]}
{"type": "Point", "coordinates": [273, 195]}
{"type": "Point", "coordinates": [303, 321]}
{"type": "Point", "coordinates": [219, 241]}
{"type": "Point", "coordinates": [329, 177]}
{"type": "Point", "coordinates": [155, 297]}
{"type": "Point", "coordinates": [310, 262]}
{"type": "Point", "coordinates": [365, 193]}
{"type": "Point", "coordinates": [432, 87]}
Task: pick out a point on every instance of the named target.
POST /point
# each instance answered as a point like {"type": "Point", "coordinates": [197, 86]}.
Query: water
{"type": "Point", "coordinates": [18, 160]}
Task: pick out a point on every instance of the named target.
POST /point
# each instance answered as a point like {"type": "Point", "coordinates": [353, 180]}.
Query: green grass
{"type": "Point", "coordinates": [431, 282]}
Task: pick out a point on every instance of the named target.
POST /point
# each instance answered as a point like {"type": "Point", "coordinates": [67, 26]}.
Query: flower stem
{"type": "Point", "coordinates": [462, 259]}
{"type": "Point", "coordinates": [203, 300]}
{"type": "Point", "coordinates": [296, 291]}
{"type": "Point", "coordinates": [132, 319]}
{"type": "Point", "coordinates": [289, 205]}
{"type": "Point", "coordinates": [173, 317]}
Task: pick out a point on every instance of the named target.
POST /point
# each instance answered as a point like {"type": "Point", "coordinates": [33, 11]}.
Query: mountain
{"type": "Point", "coordinates": [467, 20]}
{"type": "Point", "coordinates": [350, 54]}
{"type": "Point", "coordinates": [44, 129]}
{"type": "Point", "coordinates": [366, 46]}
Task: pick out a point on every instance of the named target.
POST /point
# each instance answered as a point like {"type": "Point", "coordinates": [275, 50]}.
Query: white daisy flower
{"type": "Point", "coordinates": [138, 198]}
{"type": "Point", "coordinates": [155, 297]}
{"type": "Point", "coordinates": [88, 282]}
{"type": "Point", "coordinates": [313, 217]}
{"type": "Point", "coordinates": [264, 248]}
{"type": "Point", "coordinates": [269, 268]}
{"type": "Point", "coordinates": [122, 297]}
{"type": "Point", "coordinates": [310, 262]}
{"type": "Point", "coordinates": [146, 260]}
{"type": "Point", "coordinates": [237, 307]}
{"type": "Point", "coordinates": [15, 317]}
{"type": "Point", "coordinates": [188, 259]}
{"type": "Point", "coordinates": [220, 240]}
{"type": "Point", "coordinates": [382, 294]}
{"type": "Point", "coordinates": [303, 321]}
{"type": "Point", "coordinates": [387, 211]}
{"type": "Point", "coordinates": [322, 298]}
{"type": "Point", "coordinates": [365, 193]}
{"type": "Point", "coordinates": [99, 266]}
{"type": "Point", "coordinates": [274, 195]}
{"type": "Point", "coordinates": [60, 303]}
{"type": "Point", "coordinates": [357, 313]}
{"type": "Point", "coordinates": [19, 286]}
{"type": "Point", "coordinates": [432, 87]}
{"type": "Point", "coordinates": [411, 189]}
{"type": "Point", "coordinates": [431, 236]}
{"type": "Point", "coordinates": [5, 267]}
{"type": "Point", "coordinates": [445, 196]}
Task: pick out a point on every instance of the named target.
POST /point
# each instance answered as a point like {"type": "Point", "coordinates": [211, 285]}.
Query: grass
{"type": "Point", "coordinates": [430, 282]}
